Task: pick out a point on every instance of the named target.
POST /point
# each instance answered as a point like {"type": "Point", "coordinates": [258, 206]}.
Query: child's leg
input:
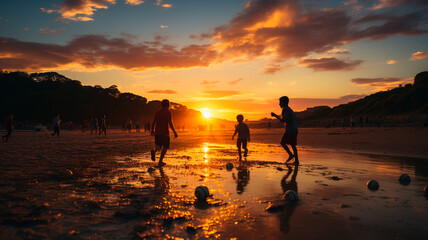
{"type": "Point", "coordinates": [238, 144]}
{"type": "Point", "coordinates": [162, 155]}
{"type": "Point", "coordinates": [153, 152]}
{"type": "Point", "coordinates": [295, 154]}
{"type": "Point", "coordinates": [244, 146]}
{"type": "Point", "coordinates": [290, 154]}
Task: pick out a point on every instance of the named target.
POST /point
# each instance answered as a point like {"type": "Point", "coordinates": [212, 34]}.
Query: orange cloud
{"type": "Point", "coordinates": [205, 82]}
{"type": "Point", "coordinates": [79, 10]}
{"type": "Point", "coordinates": [48, 31]}
{"type": "Point", "coordinates": [134, 2]}
{"type": "Point", "coordinates": [329, 64]}
{"type": "Point", "coordinates": [382, 83]}
{"type": "Point", "coordinates": [166, 5]}
{"type": "Point", "coordinates": [234, 82]}
{"type": "Point", "coordinates": [163, 91]}
{"type": "Point", "coordinates": [392, 62]}
{"type": "Point", "coordinates": [418, 56]}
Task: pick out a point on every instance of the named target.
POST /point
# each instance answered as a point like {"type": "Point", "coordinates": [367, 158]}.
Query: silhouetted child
{"type": "Point", "coordinates": [56, 124]}
{"type": "Point", "coordinates": [160, 130]}
{"type": "Point", "coordinates": [243, 135]}
{"type": "Point", "coordinates": [291, 130]}
{"type": "Point", "coordinates": [8, 124]}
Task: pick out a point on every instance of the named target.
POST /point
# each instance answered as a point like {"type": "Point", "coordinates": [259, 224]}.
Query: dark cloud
{"type": "Point", "coordinates": [329, 64]}
{"type": "Point", "coordinates": [163, 91]}
{"type": "Point", "coordinates": [97, 51]}
{"type": "Point", "coordinates": [392, 3]}
{"type": "Point", "coordinates": [375, 80]}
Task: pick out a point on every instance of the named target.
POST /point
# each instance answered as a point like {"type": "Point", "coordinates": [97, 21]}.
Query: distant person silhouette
{"type": "Point", "coordinates": [291, 130]}
{"type": "Point", "coordinates": [56, 124]}
{"type": "Point", "coordinates": [289, 208]}
{"type": "Point", "coordinates": [103, 127]}
{"type": "Point", "coordinates": [161, 121]}
{"type": "Point", "coordinates": [94, 125]}
{"type": "Point", "coordinates": [243, 135]}
{"type": "Point", "coordinates": [8, 124]}
{"type": "Point", "coordinates": [137, 126]}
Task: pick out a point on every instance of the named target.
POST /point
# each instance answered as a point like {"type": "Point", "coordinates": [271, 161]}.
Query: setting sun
{"type": "Point", "coordinates": [206, 114]}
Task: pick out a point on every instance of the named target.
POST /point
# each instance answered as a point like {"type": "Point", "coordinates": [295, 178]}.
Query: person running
{"type": "Point", "coordinates": [291, 130]}
{"type": "Point", "coordinates": [103, 127]}
{"type": "Point", "coordinates": [162, 119]}
{"type": "Point", "coordinates": [243, 135]}
{"type": "Point", "coordinates": [8, 124]}
{"type": "Point", "coordinates": [56, 124]}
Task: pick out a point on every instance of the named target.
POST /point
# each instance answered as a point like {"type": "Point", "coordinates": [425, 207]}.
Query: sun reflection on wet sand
{"type": "Point", "coordinates": [119, 198]}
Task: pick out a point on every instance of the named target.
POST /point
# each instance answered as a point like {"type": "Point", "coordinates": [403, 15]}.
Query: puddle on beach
{"type": "Point", "coordinates": [119, 198]}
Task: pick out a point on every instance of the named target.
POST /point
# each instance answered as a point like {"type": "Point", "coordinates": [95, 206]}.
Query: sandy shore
{"type": "Point", "coordinates": [78, 186]}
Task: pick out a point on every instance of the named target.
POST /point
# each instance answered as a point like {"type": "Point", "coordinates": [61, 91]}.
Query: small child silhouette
{"type": "Point", "coordinates": [243, 135]}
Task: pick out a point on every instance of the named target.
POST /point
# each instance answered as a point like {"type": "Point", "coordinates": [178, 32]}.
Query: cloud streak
{"type": "Point", "coordinates": [79, 10]}
{"type": "Point", "coordinates": [163, 91]}
{"type": "Point", "coordinates": [329, 64]}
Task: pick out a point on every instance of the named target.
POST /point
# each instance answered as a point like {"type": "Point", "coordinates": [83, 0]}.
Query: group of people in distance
{"type": "Point", "coordinates": [163, 121]}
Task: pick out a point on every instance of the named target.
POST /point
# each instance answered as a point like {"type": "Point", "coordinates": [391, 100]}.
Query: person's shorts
{"type": "Point", "coordinates": [289, 138]}
{"type": "Point", "coordinates": [162, 140]}
{"type": "Point", "coordinates": [241, 141]}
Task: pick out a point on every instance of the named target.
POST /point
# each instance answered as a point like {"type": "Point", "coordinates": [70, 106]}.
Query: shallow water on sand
{"type": "Point", "coordinates": [119, 198]}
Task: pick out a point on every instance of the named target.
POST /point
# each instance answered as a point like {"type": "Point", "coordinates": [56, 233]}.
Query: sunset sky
{"type": "Point", "coordinates": [222, 56]}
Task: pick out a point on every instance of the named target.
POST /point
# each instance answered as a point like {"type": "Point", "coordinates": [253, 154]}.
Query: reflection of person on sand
{"type": "Point", "coordinates": [161, 182]}
{"type": "Point", "coordinates": [291, 130]}
{"type": "Point", "coordinates": [162, 120]}
{"type": "Point", "coordinates": [289, 208]}
{"type": "Point", "coordinates": [8, 124]}
{"type": "Point", "coordinates": [243, 135]}
{"type": "Point", "coordinates": [242, 179]}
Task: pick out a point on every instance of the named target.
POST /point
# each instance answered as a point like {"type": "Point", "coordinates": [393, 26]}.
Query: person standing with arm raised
{"type": "Point", "coordinates": [291, 129]}
{"type": "Point", "coordinates": [163, 119]}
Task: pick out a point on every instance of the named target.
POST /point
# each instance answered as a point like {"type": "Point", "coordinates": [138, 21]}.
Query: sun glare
{"type": "Point", "coordinates": [206, 114]}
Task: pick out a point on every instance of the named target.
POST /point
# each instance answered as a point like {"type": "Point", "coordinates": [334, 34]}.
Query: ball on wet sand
{"type": "Point", "coordinates": [229, 166]}
{"type": "Point", "coordinates": [291, 196]}
{"type": "Point", "coordinates": [372, 185]}
{"type": "Point", "coordinates": [150, 169]}
{"type": "Point", "coordinates": [202, 192]}
{"type": "Point", "coordinates": [404, 179]}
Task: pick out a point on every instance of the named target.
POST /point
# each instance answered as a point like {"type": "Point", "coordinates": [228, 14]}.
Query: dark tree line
{"type": "Point", "coordinates": [38, 97]}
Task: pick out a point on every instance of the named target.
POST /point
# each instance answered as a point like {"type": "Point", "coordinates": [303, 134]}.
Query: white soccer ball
{"type": "Point", "coordinates": [372, 185]}
{"type": "Point", "coordinates": [291, 196]}
{"type": "Point", "coordinates": [404, 179]}
{"type": "Point", "coordinates": [202, 192]}
{"type": "Point", "coordinates": [229, 166]}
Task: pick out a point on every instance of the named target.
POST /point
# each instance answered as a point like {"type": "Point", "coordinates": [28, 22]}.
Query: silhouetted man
{"type": "Point", "coordinates": [8, 124]}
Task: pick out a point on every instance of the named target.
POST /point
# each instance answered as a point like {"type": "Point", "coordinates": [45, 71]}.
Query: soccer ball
{"type": "Point", "coordinates": [202, 192]}
{"type": "Point", "coordinates": [150, 169]}
{"type": "Point", "coordinates": [229, 166]}
{"type": "Point", "coordinates": [426, 189]}
{"type": "Point", "coordinates": [372, 185]}
{"type": "Point", "coordinates": [404, 179]}
{"type": "Point", "coordinates": [291, 196]}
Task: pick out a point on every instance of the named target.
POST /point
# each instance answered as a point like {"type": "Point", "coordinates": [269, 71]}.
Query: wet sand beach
{"type": "Point", "coordinates": [78, 186]}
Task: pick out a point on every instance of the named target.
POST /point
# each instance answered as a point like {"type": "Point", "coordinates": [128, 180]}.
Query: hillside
{"type": "Point", "coordinates": [411, 99]}
{"type": "Point", "coordinates": [38, 97]}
